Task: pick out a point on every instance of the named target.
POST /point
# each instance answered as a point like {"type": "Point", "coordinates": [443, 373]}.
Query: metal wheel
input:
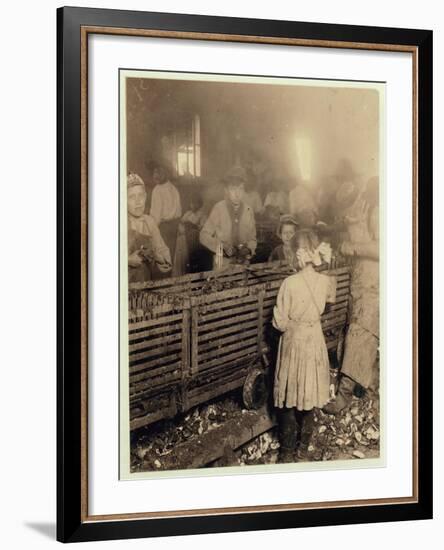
{"type": "Point", "coordinates": [255, 391]}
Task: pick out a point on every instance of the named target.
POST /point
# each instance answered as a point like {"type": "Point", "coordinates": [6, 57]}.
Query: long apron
{"type": "Point", "coordinates": [362, 338]}
{"type": "Point", "coordinates": [302, 377]}
{"type": "Point", "coordinates": [168, 232]}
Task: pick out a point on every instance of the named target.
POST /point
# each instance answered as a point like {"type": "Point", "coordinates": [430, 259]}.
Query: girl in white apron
{"type": "Point", "coordinates": [302, 378]}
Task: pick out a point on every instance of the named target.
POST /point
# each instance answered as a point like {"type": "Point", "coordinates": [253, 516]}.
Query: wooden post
{"type": "Point", "coordinates": [260, 320]}
{"type": "Point", "coordinates": [186, 340]}
{"type": "Point", "coordinates": [185, 363]}
{"type": "Point", "coordinates": [194, 339]}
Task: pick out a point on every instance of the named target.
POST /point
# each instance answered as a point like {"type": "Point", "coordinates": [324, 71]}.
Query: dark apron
{"type": "Point", "coordinates": [168, 231]}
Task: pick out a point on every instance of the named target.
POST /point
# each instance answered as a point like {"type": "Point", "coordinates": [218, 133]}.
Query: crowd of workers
{"type": "Point", "coordinates": [341, 212]}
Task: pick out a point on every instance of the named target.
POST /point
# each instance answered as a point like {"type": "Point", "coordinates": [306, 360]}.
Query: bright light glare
{"type": "Point", "coordinates": [303, 150]}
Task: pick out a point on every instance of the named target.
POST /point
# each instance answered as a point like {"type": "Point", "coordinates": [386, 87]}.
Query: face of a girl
{"type": "Point", "coordinates": [288, 231]}
{"type": "Point", "coordinates": [136, 200]}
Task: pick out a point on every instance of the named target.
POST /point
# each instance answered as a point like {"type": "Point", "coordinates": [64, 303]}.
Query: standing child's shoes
{"type": "Point", "coordinates": [301, 452]}
{"type": "Point", "coordinates": [307, 426]}
{"type": "Point", "coordinates": [286, 455]}
{"type": "Point", "coordinates": [288, 430]}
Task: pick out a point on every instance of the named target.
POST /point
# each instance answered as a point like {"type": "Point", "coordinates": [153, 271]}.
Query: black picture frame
{"type": "Point", "coordinates": [73, 523]}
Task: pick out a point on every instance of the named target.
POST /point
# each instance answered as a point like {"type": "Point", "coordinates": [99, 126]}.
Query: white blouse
{"type": "Point", "coordinates": [165, 203]}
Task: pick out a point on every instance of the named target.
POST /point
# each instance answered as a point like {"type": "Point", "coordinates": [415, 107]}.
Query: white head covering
{"type": "Point", "coordinates": [133, 180]}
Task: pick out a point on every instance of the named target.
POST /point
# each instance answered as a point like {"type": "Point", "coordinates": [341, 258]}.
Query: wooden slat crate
{"type": "Point", "coordinates": [158, 357]}
{"type": "Point", "coordinates": [194, 337]}
{"type": "Point", "coordinates": [231, 331]}
{"type": "Point", "coordinates": [226, 329]}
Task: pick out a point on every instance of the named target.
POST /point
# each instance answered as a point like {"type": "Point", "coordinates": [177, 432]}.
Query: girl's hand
{"type": "Point", "coordinates": [164, 266]}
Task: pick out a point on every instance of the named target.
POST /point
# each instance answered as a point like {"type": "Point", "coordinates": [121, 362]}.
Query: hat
{"type": "Point", "coordinates": [286, 219]}
{"type": "Point", "coordinates": [235, 176]}
{"type": "Point", "coordinates": [346, 194]}
{"type": "Point", "coordinates": [133, 180]}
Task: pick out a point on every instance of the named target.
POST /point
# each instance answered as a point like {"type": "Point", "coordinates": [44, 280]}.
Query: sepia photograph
{"type": "Point", "coordinates": [244, 274]}
{"type": "Point", "coordinates": [250, 262]}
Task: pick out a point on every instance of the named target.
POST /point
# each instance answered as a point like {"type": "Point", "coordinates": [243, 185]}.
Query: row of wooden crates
{"type": "Point", "coordinates": [195, 337]}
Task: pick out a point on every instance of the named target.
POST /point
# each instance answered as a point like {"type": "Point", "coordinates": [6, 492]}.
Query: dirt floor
{"type": "Point", "coordinates": [223, 433]}
{"type": "Point", "coordinates": [352, 434]}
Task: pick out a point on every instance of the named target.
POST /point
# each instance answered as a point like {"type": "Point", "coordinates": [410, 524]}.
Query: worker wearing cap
{"type": "Point", "coordinates": [148, 254]}
{"type": "Point", "coordinates": [231, 227]}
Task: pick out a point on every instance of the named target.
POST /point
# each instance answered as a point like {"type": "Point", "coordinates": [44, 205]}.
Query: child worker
{"type": "Point", "coordinates": [230, 230]}
{"type": "Point", "coordinates": [148, 255]}
{"type": "Point", "coordinates": [286, 231]}
{"type": "Point", "coordinates": [302, 377]}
